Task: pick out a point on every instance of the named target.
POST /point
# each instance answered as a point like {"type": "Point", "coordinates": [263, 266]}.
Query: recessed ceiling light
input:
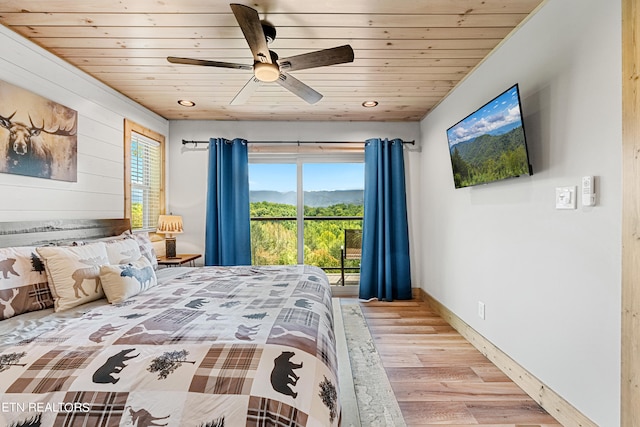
{"type": "Point", "coordinates": [369, 104]}
{"type": "Point", "coordinates": [186, 103]}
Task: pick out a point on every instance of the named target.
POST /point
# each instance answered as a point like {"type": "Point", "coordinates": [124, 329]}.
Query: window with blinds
{"type": "Point", "coordinates": [144, 175]}
{"type": "Point", "coordinates": [145, 182]}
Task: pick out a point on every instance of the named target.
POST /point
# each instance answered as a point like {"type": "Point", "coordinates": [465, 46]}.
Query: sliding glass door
{"type": "Point", "coordinates": [333, 203]}
{"type": "Point", "coordinates": [273, 209]}
{"type": "Point", "coordinates": [301, 208]}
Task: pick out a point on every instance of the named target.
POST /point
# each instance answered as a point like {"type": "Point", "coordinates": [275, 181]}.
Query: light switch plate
{"type": "Point", "coordinates": [566, 197]}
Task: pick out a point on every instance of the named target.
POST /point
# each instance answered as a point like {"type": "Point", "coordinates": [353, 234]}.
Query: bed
{"type": "Point", "coordinates": [200, 346]}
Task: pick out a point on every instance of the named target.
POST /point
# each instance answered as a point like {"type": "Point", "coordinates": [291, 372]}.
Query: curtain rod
{"type": "Point", "coordinates": [185, 142]}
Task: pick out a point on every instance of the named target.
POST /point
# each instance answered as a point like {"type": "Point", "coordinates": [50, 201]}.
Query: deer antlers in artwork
{"type": "Point", "coordinates": [60, 132]}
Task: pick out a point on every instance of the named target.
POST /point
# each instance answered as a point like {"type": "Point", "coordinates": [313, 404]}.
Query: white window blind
{"type": "Point", "coordinates": [145, 182]}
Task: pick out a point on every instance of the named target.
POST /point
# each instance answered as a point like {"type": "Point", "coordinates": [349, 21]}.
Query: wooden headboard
{"type": "Point", "coordinates": [37, 233]}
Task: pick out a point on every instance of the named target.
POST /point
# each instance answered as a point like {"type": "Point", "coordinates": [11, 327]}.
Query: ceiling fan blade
{"type": "Point", "coordinates": [189, 61]}
{"type": "Point", "coordinates": [245, 93]}
{"type": "Point", "coordinates": [298, 88]}
{"type": "Point", "coordinates": [320, 58]}
{"type": "Point", "coordinates": [251, 27]}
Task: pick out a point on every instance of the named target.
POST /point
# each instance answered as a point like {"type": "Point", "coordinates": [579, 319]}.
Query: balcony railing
{"type": "Point", "coordinates": [314, 218]}
{"type": "Point", "coordinates": [277, 243]}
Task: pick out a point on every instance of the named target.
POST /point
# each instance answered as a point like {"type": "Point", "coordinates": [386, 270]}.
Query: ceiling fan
{"type": "Point", "coordinates": [267, 67]}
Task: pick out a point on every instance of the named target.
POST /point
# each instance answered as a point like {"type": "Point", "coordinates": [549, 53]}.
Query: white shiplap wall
{"type": "Point", "coordinates": [99, 191]}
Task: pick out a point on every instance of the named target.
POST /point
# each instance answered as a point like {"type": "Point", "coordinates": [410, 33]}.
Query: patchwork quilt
{"type": "Point", "coordinates": [212, 346]}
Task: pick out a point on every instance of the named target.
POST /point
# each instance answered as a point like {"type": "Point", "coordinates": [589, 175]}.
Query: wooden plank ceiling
{"type": "Point", "coordinates": [408, 54]}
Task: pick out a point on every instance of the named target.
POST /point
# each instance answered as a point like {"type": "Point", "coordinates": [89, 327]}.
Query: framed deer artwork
{"type": "Point", "coordinates": [38, 137]}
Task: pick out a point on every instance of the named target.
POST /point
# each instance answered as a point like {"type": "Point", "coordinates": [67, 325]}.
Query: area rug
{"type": "Point", "coordinates": [366, 395]}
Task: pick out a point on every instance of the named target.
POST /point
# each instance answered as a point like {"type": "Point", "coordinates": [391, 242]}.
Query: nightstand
{"type": "Point", "coordinates": [179, 260]}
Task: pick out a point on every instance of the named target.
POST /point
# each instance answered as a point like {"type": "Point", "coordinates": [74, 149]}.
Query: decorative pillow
{"type": "Point", "coordinates": [123, 281]}
{"type": "Point", "coordinates": [74, 273]}
{"type": "Point", "coordinates": [146, 248]}
{"type": "Point", "coordinates": [123, 251]}
{"type": "Point", "coordinates": [23, 282]}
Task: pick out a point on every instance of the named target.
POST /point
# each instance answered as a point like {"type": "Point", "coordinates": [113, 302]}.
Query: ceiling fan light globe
{"type": "Point", "coordinates": [266, 72]}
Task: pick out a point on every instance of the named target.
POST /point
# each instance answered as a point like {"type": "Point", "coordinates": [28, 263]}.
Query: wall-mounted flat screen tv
{"type": "Point", "coordinates": [489, 144]}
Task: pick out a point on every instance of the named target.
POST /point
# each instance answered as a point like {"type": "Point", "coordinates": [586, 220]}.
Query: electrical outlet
{"type": "Point", "coordinates": [481, 310]}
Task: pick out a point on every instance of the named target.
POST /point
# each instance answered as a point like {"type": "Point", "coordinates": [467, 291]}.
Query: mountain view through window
{"type": "Point", "coordinates": [299, 212]}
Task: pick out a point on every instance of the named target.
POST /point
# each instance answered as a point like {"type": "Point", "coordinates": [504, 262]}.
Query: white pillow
{"type": "Point", "coordinates": [74, 273]}
{"type": "Point", "coordinates": [123, 281]}
{"type": "Point", "coordinates": [123, 251]}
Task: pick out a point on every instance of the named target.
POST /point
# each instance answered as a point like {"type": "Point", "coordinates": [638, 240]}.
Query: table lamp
{"type": "Point", "coordinates": [169, 225]}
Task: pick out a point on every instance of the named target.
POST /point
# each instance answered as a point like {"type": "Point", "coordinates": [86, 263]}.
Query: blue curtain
{"type": "Point", "coordinates": [227, 235]}
{"type": "Point", "coordinates": [384, 271]}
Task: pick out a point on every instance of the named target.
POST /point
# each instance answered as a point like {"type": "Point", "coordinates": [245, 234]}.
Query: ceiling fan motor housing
{"type": "Point", "coordinates": [266, 72]}
{"type": "Point", "coordinates": [269, 30]}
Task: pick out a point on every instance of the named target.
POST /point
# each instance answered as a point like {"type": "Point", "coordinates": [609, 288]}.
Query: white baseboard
{"type": "Point", "coordinates": [553, 403]}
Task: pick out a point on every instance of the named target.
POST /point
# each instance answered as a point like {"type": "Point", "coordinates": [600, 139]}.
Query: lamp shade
{"type": "Point", "coordinates": [169, 224]}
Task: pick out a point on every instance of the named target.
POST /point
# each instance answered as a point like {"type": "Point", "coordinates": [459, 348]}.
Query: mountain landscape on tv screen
{"type": "Point", "coordinates": [489, 144]}
{"type": "Point", "coordinates": [496, 155]}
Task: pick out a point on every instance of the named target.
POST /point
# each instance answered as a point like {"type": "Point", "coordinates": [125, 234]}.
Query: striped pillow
{"type": "Point", "coordinates": [146, 248]}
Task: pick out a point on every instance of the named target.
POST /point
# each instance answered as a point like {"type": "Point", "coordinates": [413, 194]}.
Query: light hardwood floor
{"type": "Point", "coordinates": [438, 377]}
